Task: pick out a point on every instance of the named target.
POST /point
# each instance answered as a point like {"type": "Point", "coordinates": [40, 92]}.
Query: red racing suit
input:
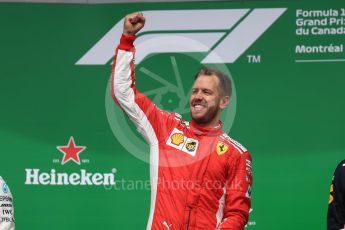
{"type": "Point", "coordinates": [200, 177]}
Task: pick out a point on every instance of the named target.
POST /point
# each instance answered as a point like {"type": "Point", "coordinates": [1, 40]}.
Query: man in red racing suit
{"type": "Point", "coordinates": [200, 177]}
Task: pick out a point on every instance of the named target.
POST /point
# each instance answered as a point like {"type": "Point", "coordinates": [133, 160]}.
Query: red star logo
{"type": "Point", "coordinates": [71, 151]}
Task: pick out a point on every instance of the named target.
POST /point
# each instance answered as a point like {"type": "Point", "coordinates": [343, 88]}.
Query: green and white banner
{"type": "Point", "coordinates": [73, 160]}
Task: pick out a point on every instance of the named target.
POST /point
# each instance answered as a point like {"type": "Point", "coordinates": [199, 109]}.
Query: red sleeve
{"type": "Point", "coordinates": [150, 121]}
{"type": "Point", "coordinates": [238, 193]}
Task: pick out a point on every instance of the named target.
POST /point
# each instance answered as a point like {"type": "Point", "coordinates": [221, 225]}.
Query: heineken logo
{"type": "Point", "coordinates": [70, 154]}
{"type": "Point", "coordinates": [37, 177]}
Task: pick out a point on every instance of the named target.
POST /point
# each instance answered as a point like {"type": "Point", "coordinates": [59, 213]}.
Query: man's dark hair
{"type": "Point", "coordinates": [224, 80]}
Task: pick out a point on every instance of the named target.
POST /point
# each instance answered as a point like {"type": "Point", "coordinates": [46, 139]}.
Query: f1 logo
{"type": "Point", "coordinates": [226, 34]}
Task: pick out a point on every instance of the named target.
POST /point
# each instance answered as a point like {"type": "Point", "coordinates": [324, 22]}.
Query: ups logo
{"type": "Point", "coordinates": [191, 146]}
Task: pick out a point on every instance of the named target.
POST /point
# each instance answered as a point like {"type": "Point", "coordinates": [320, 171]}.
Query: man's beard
{"type": "Point", "coordinates": [210, 114]}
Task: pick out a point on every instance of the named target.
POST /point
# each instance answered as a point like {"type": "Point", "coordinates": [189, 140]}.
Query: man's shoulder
{"type": "Point", "coordinates": [233, 143]}
{"type": "Point", "coordinates": [173, 121]}
{"type": "Point", "coordinates": [170, 115]}
{"type": "Point", "coordinates": [178, 119]}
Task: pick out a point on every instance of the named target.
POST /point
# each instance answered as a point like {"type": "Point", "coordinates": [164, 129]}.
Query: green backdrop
{"type": "Point", "coordinates": [290, 113]}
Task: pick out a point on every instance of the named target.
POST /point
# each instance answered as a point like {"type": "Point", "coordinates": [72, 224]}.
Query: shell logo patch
{"type": "Point", "coordinates": [221, 148]}
{"type": "Point", "coordinates": [177, 138]}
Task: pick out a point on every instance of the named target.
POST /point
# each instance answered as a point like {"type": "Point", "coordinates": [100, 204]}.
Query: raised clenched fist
{"type": "Point", "coordinates": [133, 23]}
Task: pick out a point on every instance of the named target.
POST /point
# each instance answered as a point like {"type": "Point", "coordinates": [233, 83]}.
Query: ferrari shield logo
{"type": "Point", "coordinates": [221, 148]}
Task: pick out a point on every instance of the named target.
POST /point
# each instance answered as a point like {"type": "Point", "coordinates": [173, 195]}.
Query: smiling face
{"type": "Point", "coordinates": [206, 101]}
